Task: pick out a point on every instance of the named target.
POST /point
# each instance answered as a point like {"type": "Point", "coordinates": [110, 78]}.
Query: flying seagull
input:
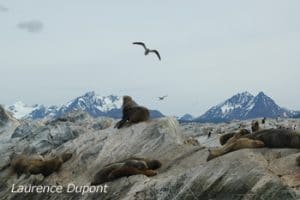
{"type": "Point", "coordinates": [162, 98]}
{"type": "Point", "coordinates": [147, 51]}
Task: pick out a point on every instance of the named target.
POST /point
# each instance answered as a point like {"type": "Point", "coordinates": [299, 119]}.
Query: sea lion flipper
{"type": "Point", "coordinates": [120, 124]}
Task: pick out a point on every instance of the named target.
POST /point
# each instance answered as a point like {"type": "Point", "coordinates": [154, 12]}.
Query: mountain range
{"type": "Point", "coordinates": [243, 106]}
{"type": "Point", "coordinates": [240, 106]}
{"type": "Point", "coordinates": [95, 105]}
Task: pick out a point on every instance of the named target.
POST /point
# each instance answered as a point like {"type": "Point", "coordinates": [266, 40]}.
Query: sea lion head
{"type": "Point", "coordinates": [126, 99]}
{"type": "Point", "coordinates": [211, 155]}
{"type": "Point", "coordinates": [66, 156]}
{"type": "Point", "coordinates": [138, 164]}
{"type": "Point", "coordinates": [154, 164]}
{"type": "Point", "coordinates": [258, 143]}
{"type": "Point", "coordinates": [244, 131]}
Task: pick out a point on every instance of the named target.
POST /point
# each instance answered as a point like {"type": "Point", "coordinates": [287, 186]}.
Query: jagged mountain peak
{"type": "Point", "coordinates": [244, 106]}
{"type": "Point", "coordinates": [239, 98]}
{"type": "Point", "coordinates": [92, 103]}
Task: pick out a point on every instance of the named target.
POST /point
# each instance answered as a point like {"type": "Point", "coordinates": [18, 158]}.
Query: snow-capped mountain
{"type": "Point", "coordinates": [244, 106]}
{"type": "Point", "coordinates": [20, 109]}
{"type": "Point", "coordinates": [95, 105]}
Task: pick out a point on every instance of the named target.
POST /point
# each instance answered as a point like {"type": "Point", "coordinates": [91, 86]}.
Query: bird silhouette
{"type": "Point", "coordinates": [162, 97]}
{"type": "Point", "coordinates": [147, 51]}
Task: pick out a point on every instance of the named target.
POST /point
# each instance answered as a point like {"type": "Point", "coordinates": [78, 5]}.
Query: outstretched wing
{"type": "Point", "coordinates": [162, 97]}
{"type": "Point", "coordinates": [156, 52]}
{"type": "Point", "coordinates": [140, 43]}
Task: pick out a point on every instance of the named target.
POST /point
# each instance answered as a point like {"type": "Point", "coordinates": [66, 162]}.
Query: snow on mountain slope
{"type": "Point", "coordinates": [244, 106]}
{"type": "Point", "coordinates": [20, 109]}
{"type": "Point", "coordinates": [92, 103]}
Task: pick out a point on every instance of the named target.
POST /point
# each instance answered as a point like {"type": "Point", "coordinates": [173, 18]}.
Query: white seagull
{"type": "Point", "coordinates": [147, 51]}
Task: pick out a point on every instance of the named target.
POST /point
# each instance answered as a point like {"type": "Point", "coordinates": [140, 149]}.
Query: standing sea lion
{"type": "Point", "coordinates": [132, 112]}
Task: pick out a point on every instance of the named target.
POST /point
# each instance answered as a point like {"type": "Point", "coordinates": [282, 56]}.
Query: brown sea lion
{"type": "Point", "coordinates": [128, 167]}
{"type": "Point", "coordinates": [240, 143]}
{"type": "Point", "coordinates": [151, 164]}
{"type": "Point", "coordinates": [224, 138]}
{"type": "Point", "coordinates": [132, 112]}
{"type": "Point", "coordinates": [33, 165]}
{"type": "Point", "coordinates": [272, 138]}
{"type": "Point", "coordinates": [129, 171]}
{"type": "Point", "coordinates": [192, 141]}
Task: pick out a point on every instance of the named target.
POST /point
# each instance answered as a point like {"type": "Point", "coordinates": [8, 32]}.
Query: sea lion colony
{"type": "Point", "coordinates": [272, 138]}
{"type": "Point", "coordinates": [133, 113]}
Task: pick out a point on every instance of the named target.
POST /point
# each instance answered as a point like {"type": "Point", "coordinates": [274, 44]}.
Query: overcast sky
{"type": "Point", "coordinates": [52, 51]}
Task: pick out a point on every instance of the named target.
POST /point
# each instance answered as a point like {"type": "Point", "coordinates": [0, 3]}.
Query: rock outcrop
{"type": "Point", "coordinates": [3, 116]}
{"type": "Point", "coordinates": [185, 173]}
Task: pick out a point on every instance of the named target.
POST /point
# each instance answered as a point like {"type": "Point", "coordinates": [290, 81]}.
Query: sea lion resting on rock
{"type": "Point", "coordinates": [128, 167]}
{"type": "Point", "coordinates": [224, 138]}
{"type": "Point", "coordinates": [132, 112]}
{"type": "Point", "coordinates": [273, 138]}
{"type": "Point", "coordinates": [37, 165]}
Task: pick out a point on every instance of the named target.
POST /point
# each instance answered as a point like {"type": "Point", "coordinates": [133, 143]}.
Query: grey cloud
{"type": "Point", "coordinates": [32, 26]}
{"type": "Point", "coordinates": [3, 8]}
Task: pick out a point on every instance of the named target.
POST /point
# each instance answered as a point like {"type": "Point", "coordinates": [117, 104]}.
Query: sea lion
{"type": "Point", "coordinates": [192, 141]}
{"type": "Point", "coordinates": [132, 112]}
{"type": "Point", "coordinates": [224, 138]}
{"type": "Point", "coordinates": [263, 121]}
{"type": "Point", "coordinates": [240, 143]}
{"type": "Point", "coordinates": [129, 171]}
{"type": "Point", "coordinates": [272, 138]}
{"type": "Point", "coordinates": [34, 165]}
{"type": "Point", "coordinates": [150, 163]}
{"type": "Point", "coordinates": [255, 126]}
{"type": "Point", "coordinates": [46, 167]}
{"type": "Point", "coordinates": [127, 167]}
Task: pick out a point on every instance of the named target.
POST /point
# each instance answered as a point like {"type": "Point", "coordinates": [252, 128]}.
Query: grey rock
{"type": "Point", "coordinates": [3, 116]}
{"type": "Point", "coordinates": [185, 173]}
